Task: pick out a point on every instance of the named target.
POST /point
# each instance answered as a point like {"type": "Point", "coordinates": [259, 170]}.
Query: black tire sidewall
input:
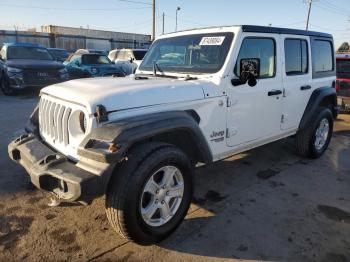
{"type": "Point", "coordinates": [8, 91]}
{"type": "Point", "coordinates": [137, 225]}
{"type": "Point", "coordinates": [323, 113]}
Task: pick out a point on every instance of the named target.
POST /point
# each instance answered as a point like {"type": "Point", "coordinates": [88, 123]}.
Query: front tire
{"type": "Point", "coordinates": [314, 139]}
{"type": "Point", "coordinates": [6, 87]}
{"type": "Point", "coordinates": [150, 193]}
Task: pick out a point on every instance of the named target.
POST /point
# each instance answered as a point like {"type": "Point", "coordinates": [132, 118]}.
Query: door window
{"type": "Point", "coordinates": [262, 48]}
{"type": "Point", "coordinates": [296, 56]}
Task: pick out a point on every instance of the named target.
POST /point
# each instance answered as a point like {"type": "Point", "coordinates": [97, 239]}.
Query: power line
{"type": "Point", "coordinates": [74, 9]}
{"type": "Point", "coordinates": [335, 7]}
{"type": "Point", "coordinates": [135, 2]}
{"type": "Point", "coordinates": [324, 7]}
{"type": "Point", "coordinates": [187, 21]}
{"type": "Point", "coordinates": [330, 29]}
{"type": "Point", "coordinates": [294, 23]}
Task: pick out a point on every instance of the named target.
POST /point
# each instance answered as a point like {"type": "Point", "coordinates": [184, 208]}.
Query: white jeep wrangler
{"type": "Point", "coordinates": [199, 96]}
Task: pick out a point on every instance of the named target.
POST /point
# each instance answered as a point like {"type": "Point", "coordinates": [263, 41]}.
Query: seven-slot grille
{"type": "Point", "coordinates": [53, 120]}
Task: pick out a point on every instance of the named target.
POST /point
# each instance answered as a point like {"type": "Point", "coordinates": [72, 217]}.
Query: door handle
{"type": "Point", "coordinates": [306, 87]}
{"type": "Point", "coordinates": [274, 93]}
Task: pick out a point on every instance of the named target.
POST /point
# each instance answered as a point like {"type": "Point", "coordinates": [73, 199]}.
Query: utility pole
{"type": "Point", "coordinates": [308, 14]}
{"type": "Point", "coordinates": [177, 10]}
{"type": "Point", "coordinates": [163, 23]}
{"type": "Point", "coordinates": [154, 20]}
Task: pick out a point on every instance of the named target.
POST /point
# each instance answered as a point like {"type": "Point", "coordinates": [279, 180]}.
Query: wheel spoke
{"type": "Point", "coordinates": [151, 187]}
{"type": "Point", "coordinates": [176, 191]}
{"type": "Point", "coordinates": [164, 210]}
{"type": "Point", "coordinates": [168, 176]}
{"type": "Point", "coordinates": [148, 212]}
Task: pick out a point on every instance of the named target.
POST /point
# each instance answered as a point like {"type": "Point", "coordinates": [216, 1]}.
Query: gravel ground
{"type": "Point", "coordinates": [266, 204]}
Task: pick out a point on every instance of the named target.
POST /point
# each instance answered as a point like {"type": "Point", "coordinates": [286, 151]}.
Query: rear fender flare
{"type": "Point", "coordinates": [317, 99]}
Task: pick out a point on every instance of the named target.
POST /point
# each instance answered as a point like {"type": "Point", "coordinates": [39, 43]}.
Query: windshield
{"type": "Point", "coordinates": [202, 53]}
{"type": "Point", "coordinates": [59, 53]}
{"type": "Point", "coordinates": [343, 68]}
{"type": "Point", "coordinates": [139, 54]}
{"type": "Point", "coordinates": [28, 52]}
{"type": "Point", "coordinates": [95, 60]}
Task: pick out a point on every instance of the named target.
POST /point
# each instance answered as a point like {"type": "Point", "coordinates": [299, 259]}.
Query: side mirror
{"type": "Point", "coordinates": [131, 60]}
{"type": "Point", "coordinates": [76, 62]}
{"type": "Point", "coordinates": [249, 72]}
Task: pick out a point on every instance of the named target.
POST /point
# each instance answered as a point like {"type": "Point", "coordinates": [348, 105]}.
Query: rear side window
{"type": "Point", "coordinates": [262, 48]}
{"type": "Point", "coordinates": [296, 56]}
{"type": "Point", "coordinates": [322, 51]}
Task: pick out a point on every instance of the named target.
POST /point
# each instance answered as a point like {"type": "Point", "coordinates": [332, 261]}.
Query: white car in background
{"type": "Point", "coordinates": [127, 59]}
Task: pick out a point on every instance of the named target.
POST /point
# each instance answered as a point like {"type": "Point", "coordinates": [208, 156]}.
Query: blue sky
{"type": "Point", "coordinates": [331, 16]}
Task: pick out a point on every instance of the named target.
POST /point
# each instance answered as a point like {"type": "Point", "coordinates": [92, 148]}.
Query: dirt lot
{"type": "Point", "coordinates": [266, 204]}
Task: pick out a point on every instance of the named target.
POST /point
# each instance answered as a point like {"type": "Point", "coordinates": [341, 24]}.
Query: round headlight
{"type": "Point", "coordinates": [77, 124]}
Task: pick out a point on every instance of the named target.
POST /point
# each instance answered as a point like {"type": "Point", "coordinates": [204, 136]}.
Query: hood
{"type": "Point", "coordinates": [123, 93]}
{"type": "Point", "coordinates": [33, 64]}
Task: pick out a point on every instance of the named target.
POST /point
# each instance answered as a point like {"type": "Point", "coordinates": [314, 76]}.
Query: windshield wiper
{"type": "Point", "coordinates": [189, 78]}
{"type": "Point", "coordinates": [146, 76]}
{"type": "Point", "coordinates": [155, 68]}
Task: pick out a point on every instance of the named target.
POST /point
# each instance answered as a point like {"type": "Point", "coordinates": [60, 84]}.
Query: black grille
{"type": "Point", "coordinates": [41, 76]}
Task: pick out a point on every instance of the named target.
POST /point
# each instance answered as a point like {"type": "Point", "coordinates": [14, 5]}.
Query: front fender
{"type": "Point", "coordinates": [128, 132]}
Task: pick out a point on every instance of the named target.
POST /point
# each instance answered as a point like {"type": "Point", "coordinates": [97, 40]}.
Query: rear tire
{"type": "Point", "coordinates": [128, 189]}
{"type": "Point", "coordinates": [313, 140]}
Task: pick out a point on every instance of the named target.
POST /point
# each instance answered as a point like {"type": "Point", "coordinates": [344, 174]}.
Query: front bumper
{"type": "Point", "coordinates": [17, 81]}
{"type": "Point", "coordinates": [53, 172]}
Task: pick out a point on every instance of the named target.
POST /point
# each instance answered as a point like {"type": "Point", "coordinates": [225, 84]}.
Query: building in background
{"type": "Point", "coordinates": [71, 38]}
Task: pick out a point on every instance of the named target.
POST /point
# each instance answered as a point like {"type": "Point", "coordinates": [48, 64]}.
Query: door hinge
{"type": "Point", "coordinates": [231, 132]}
{"type": "Point", "coordinates": [228, 102]}
{"type": "Point", "coordinates": [283, 118]}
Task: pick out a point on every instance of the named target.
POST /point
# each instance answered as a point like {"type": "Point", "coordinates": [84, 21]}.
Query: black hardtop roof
{"type": "Point", "coordinates": [278, 30]}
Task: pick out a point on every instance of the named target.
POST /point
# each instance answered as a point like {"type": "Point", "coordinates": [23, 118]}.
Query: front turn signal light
{"type": "Point", "coordinates": [112, 148]}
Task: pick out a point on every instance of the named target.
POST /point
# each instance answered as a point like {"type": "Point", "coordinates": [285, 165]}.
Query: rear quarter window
{"type": "Point", "coordinates": [323, 58]}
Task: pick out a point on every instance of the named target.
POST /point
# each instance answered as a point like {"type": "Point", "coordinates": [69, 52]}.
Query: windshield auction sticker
{"type": "Point", "coordinates": [212, 40]}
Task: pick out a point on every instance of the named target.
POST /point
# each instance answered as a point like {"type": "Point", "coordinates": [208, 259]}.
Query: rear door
{"type": "Point", "coordinates": [297, 79]}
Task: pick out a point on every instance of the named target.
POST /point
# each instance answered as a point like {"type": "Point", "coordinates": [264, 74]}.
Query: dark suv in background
{"type": "Point", "coordinates": [59, 54]}
{"type": "Point", "coordinates": [26, 65]}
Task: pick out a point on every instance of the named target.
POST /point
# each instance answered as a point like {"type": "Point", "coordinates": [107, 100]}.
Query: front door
{"type": "Point", "coordinates": [254, 113]}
